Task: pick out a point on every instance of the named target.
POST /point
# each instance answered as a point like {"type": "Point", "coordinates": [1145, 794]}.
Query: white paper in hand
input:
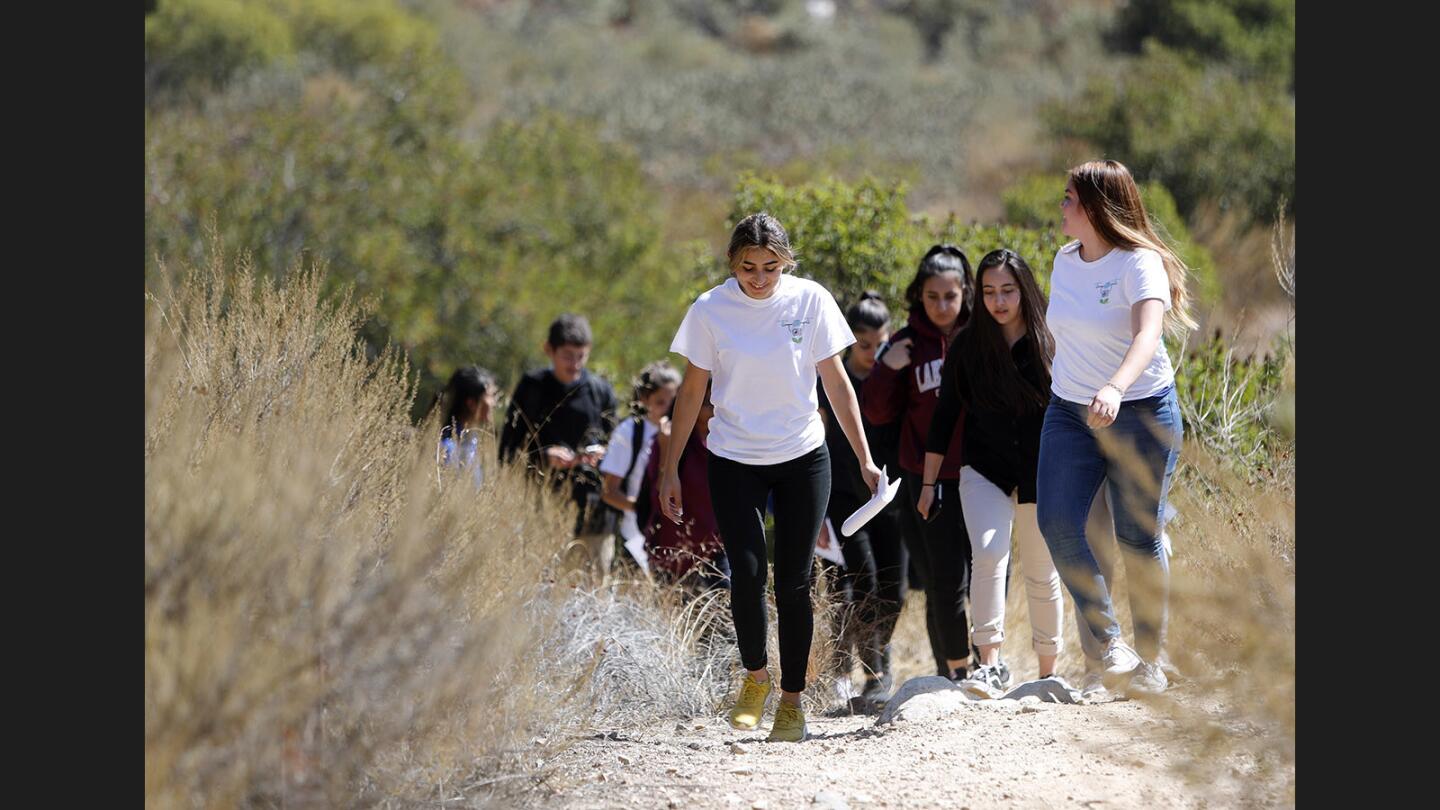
{"type": "Point", "coordinates": [884, 494]}
{"type": "Point", "coordinates": [833, 553]}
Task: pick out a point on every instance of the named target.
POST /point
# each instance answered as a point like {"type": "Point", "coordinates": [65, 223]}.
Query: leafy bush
{"type": "Point", "coordinates": [1256, 37]}
{"type": "Point", "coordinates": [201, 44]}
{"type": "Point", "coordinates": [1199, 131]}
{"type": "Point", "coordinates": [195, 47]}
{"type": "Point", "coordinates": [1228, 401]}
{"type": "Point", "coordinates": [857, 236]}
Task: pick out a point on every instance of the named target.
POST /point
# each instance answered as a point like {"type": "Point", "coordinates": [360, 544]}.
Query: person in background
{"type": "Point", "coordinates": [629, 450]}
{"type": "Point", "coordinates": [905, 386]}
{"type": "Point", "coordinates": [558, 420]}
{"type": "Point", "coordinates": [873, 578]}
{"type": "Point", "coordinates": [468, 401]}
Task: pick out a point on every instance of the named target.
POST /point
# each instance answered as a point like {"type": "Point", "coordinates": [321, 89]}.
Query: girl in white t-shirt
{"type": "Point", "coordinates": [763, 335]}
{"type": "Point", "coordinates": [1113, 413]}
{"type": "Point", "coordinates": [625, 457]}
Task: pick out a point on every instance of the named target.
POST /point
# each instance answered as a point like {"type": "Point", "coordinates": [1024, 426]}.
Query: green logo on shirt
{"type": "Point", "coordinates": [1104, 287]}
{"type": "Point", "coordinates": [794, 327]}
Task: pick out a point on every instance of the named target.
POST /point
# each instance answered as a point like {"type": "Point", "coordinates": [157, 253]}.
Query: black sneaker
{"type": "Point", "coordinates": [961, 673]}
{"type": "Point", "coordinates": [877, 690]}
{"type": "Point", "coordinates": [984, 683]}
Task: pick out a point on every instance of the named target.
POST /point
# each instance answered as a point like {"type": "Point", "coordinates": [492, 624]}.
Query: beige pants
{"type": "Point", "coordinates": [991, 518]}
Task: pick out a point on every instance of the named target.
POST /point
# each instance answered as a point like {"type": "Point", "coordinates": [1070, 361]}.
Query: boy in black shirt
{"type": "Point", "coordinates": [560, 418]}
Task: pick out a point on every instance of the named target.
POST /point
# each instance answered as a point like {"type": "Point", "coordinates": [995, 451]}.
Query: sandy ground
{"type": "Point", "coordinates": [950, 753]}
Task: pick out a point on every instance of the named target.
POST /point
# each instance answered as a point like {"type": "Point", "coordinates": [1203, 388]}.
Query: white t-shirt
{"type": "Point", "coordinates": [617, 459]}
{"type": "Point", "coordinates": [761, 355]}
{"type": "Point", "coordinates": [1089, 316]}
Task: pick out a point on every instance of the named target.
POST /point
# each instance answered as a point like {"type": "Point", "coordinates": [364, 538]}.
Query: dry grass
{"type": "Point", "coordinates": [329, 621]}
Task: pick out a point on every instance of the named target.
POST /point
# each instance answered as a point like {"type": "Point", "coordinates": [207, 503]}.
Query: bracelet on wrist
{"type": "Point", "coordinates": [1116, 387]}
{"type": "Point", "coordinates": [929, 485]}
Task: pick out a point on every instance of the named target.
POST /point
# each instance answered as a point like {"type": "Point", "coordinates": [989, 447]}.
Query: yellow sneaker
{"type": "Point", "coordinates": [751, 703]}
{"type": "Point", "coordinates": [789, 724]}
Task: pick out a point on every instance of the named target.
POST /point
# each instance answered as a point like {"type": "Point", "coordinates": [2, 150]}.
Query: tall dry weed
{"type": "Point", "coordinates": [330, 620]}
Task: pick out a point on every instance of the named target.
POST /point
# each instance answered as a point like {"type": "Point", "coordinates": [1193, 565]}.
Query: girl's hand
{"type": "Point", "coordinates": [898, 355]}
{"type": "Point", "coordinates": [927, 499]}
{"type": "Point", "coordinates": [560, 457]}
{"type": "Point", "coordinates": [1104, 407]}
{"type": "Point", "coordinates": [670, 500]}
{"type": "Point", "coordinates": [871, 474]}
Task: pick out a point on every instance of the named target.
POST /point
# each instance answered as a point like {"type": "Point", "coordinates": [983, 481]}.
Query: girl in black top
{"type": "Point", "coordinates": [873, 580]}
{"type": "Point", "coordinates": [998, 369]}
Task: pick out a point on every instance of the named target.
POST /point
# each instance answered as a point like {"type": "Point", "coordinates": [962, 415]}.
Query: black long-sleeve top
{"type": "Point", "coordinates": [884, 441]}
{"type": "Point", "coordinates": [543, 411]}
{"type": "Point", "coordinates": [1003, 446]}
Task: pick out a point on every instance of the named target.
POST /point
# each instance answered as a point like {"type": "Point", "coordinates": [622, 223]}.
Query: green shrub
{"type": "Point", "coordinates": [1256, 37]}
{"type": "Point", "coordinates": [201, 44]}
{"type": "Point", "coordinates": [857, 236]}
{"type": "Point", "coordinates": [1198, 130]}
{"type": "Point", "coordinates": [1229, 402]}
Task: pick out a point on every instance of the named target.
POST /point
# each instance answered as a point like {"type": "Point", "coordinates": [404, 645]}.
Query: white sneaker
{"type": "Point", "coordinates": [1149, 679]}
{"type": "Point", "coordinates": [1121, 663]}
{"type": "Point", "coordinates": [1093, 686]}
{"type": "Point", "coordinates": [984, 683]}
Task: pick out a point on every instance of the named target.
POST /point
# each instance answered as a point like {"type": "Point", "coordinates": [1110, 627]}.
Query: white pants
{"type": "Point", "coordinates": [991, 517]}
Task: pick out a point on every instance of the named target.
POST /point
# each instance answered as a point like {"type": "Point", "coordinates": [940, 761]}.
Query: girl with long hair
{"type": "Point", "coordinates": [905, 386]}
{"type": "Point", "coordinates": [998, 373]}
{"type": "Point", "coordinates": [1113, 417]}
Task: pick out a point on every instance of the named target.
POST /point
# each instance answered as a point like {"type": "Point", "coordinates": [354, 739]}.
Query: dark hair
{"type": "Point", "coordinates": [652, 378]}
{"type": "Point", "coordinates": [985, 357]}
{"type": "Point", "coordinates": [467, 383]}
{"type": "Point", "coordinates": [869, 312]}
{"type": "Point", "coordinates": [569, 330]}
{"type": "Point", "coordinates": [759, 230]}
{"type": "Point", "coordinates": [945, 258]}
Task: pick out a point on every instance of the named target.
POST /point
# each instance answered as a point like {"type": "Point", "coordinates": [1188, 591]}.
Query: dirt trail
{"type": "Point", "coordinates": [954, 754]}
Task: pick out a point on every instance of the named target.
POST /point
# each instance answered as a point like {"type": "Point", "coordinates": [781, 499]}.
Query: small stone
{"type": "Point", "coordinates": [730, 798]}
{"type": "Point", "coordinates": [759, 804]}
{"type": "Point", "coordinates": [743, 770]}
{"type": "Point", "coordinates": [830, 800]}
{"type": "Point", "coordinates": [694, 746]}
{"type": "Point", "coordinates": [624, 760]}
{"type": "Point", "coordinates": [737, 748]}
{"type": "Point", "coordinates": [600, 777]}
{"type": "Point", "coordinates": [672, 770]}
{"type": "Point", "coordinates": [1029, 700]}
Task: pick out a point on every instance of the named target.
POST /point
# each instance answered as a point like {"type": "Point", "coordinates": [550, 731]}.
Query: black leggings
{"type": "Point", "coordinates": [941, 552]}
{"type": "Point", "coordinates": [873, 582]}
{"type": "Point", "coordinates": [738, 493]}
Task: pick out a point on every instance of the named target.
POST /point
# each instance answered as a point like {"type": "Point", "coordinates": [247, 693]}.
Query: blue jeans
{"type": "Point", "coordinates": [1137, 454]}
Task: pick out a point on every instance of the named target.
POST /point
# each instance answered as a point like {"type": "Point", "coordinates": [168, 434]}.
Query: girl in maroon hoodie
{"type": "Point", "coordinates": [905, 385]}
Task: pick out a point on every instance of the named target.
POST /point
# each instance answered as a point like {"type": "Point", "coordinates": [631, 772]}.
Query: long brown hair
{"type": "Point", "coordinates": [986, 361]}
{"type": "Point", "coordinates": [1111, 200]}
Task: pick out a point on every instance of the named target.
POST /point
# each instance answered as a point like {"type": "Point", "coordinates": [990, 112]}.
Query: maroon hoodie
{"type": "Point", "coordinates": [912, 393]}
